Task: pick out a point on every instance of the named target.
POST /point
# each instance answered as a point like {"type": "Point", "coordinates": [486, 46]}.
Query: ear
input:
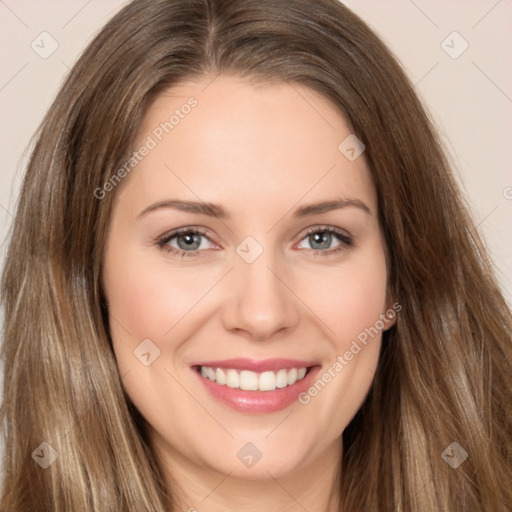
{"type": "Point", "coordinates": [393, 307]}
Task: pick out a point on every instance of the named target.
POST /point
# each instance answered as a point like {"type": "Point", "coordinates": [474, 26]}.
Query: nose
{"type": "Point", "coordinates": [261, 302]}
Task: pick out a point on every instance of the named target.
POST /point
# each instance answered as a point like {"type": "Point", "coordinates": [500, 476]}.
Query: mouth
{"type": "Point", "coordinates": [256, 387]}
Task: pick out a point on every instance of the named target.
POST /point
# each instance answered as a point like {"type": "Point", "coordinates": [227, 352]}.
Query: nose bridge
{"type": "Point", "coordinates": [260, 302]}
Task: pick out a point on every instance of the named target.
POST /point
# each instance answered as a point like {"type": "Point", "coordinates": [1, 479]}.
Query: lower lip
{"type": "Point", "coordinates": [258, 402]}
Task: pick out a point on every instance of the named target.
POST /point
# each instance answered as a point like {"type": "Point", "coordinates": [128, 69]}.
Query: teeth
{"type": "Point", "coordinates": [281, 379]}
{"type": "Point", "coordinates": [220, 376]}
{"type": "Point", "coordinates": [267, 381]}
{"type": "Point", "coordinates": [232, 379]}
{"type": "Point", "coordinates": [248, 380]}
{"type": "Point", "coordinates": [292, 376]}
{"type": "Point", "coordinates": [252, 381]}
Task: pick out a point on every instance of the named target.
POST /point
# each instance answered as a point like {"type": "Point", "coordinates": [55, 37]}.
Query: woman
{"type": "Point", "coordinates": [241, 276]}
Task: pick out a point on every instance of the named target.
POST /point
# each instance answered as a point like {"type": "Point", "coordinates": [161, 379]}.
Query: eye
{"type": "Point", "coordinates": [189, 242]}
{"type": "Point", "coordinates": [321, 241]}
{"type": "Point", "coordinates": [185, 242]}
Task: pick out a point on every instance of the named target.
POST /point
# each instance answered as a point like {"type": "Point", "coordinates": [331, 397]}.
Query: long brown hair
{"type": "Point", "coordinates": [445, 369]}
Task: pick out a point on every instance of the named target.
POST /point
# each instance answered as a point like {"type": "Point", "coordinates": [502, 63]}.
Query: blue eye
{"type": "Point", "coordinates": [320, 241]}
{"type": "Point", "coordinates": [188, 242]}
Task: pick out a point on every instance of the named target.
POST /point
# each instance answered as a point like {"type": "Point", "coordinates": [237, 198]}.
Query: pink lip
{"type": "Point", "coordinates": [257, 402]}
{"type": "Point", "coordinates": [257, 366]}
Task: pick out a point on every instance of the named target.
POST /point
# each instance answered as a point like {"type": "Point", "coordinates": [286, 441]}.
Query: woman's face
{"type": "Point", "coordinates": [275, 287]}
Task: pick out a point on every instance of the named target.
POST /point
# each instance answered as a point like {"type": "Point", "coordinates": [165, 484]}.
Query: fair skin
{"type": "Point", "coordinates": [260, 152]}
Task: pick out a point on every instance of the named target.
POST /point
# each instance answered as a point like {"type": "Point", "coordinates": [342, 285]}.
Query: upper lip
{"type": "Point", "coordinates": [256, 365]}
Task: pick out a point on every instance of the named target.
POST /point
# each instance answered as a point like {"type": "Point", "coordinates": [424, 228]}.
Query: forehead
{"type": "Point", "coordinates": [226, 139]}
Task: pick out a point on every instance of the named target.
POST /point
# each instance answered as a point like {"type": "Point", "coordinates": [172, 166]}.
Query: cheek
{"type": "Point", "coordinates": [145, 302]}
{"type": "Point", "coordinates": [348, 300]}
{"type": "Point", "coordinates": [350, 305]}
{"type": "Point", "coordinates": [148, 299]}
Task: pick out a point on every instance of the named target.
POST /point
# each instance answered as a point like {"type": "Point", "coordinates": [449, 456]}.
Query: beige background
{"type": "Point", "coordinates": [469, 97]}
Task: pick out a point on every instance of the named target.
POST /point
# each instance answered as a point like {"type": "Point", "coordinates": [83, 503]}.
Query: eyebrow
{"type": "Point", "coordinates": [217, 211]}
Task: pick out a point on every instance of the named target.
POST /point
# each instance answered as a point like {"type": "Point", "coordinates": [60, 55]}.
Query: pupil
{"type": "Point", "coordinates": [323, 239]}
{"type": "Point", "coordinates": [191, 241]}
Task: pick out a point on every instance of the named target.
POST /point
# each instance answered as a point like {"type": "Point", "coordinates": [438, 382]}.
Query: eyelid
{"type": "Point", "coordinates": [324, 227]}
{"type": "Point", "coordinates": [186, 229]}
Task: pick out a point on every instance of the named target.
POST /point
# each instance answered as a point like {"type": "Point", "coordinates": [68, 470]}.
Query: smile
{"type": "Point", "coordinates": [255, 386]}
{"type": "Point", "coordinates": [252, 381]}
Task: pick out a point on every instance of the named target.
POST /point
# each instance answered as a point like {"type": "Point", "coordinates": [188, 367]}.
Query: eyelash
{"type": "Point", "coordinates": [346, 241]}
